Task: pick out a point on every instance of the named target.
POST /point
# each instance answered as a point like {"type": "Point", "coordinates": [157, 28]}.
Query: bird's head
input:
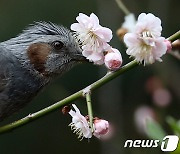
{"type": "Point", "coordinates": [50, 49]}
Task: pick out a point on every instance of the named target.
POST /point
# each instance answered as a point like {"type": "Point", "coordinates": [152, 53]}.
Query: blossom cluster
{"type": "Point", "coordinates": [94, 39]}
{"type": "Point", "coordinates": [81, 126]}
{"type": "Point", "coordinates": [144, 42]}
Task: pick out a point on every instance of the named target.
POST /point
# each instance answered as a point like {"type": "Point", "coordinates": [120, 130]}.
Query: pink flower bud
{"type": "Point", "coordinates": [101, 127]}
{"type": "Point", "coordinates": [168, 44]}
{"type": "Point", "coordinates": [113, 60]}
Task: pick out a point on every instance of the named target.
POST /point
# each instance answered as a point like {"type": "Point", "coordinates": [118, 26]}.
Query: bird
{"type": "Point", "coordinates": [31, 60]}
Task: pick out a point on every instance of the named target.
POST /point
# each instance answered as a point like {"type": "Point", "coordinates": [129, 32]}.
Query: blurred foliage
{"type": "Point", "coordinates": [154, 130]}
{"type": "Point", "coordinates": [177, 151]}
{"type": "Point", "coordinates": [175, 127]}
{"type": "Point", "coordinates": [174, 124]}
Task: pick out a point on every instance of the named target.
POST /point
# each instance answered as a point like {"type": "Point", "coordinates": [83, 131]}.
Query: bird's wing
{"type": "Point", "coordinates": [5, 64]}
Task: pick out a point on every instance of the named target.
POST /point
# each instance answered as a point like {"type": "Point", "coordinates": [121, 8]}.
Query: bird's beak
{"type": "Point", "coordinates": [79, 57]}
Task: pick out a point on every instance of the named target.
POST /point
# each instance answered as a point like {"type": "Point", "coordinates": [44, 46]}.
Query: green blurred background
{"type": "Point", "coordinates": [116, 102]}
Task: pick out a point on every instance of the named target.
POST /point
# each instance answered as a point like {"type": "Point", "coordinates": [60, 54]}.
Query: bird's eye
{"type": "Point", "coordinates": [57, 45]}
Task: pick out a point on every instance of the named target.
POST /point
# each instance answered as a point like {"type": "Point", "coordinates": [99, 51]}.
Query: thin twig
{"type": "Point", "coordinates": [123, 7]}
{"type": "Point", "coordinates": [90, 112]}
{"type": "Point", "coordinates": [175, 36]}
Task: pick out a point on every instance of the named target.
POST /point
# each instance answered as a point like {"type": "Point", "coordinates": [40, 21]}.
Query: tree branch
{"type": "Point", "coordinates": [31, 117]}
{"type": "Point", "coordinates": [175, 36]}
{"type": "Point", "coordinates": [108, 77]}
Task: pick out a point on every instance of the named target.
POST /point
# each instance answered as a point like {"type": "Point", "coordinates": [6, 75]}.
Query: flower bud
{"type": "Point", "coordinates": [101, 127]}
{"type": "Point", "coordinates": [113, 60]}
{"type": "Point", "coordinates": [65, 110]}
{"type": "Point", "coordinates": [168, 44]}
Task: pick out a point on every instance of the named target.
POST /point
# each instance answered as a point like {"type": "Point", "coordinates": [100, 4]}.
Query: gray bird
{"type": "Point", "coordinates": [31, 60]}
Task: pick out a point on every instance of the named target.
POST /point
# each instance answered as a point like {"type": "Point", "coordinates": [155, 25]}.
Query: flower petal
{"type": "Point", "coordinates": [104, 33]}
{"type": "Point", "coordinates": [131, 39]}
{"type": "Point", "coordinates": [76, 27]}
{"type": "Point", "coordinates": [160, 48]}
{"type": "Point", "coordinates": [94, 20]}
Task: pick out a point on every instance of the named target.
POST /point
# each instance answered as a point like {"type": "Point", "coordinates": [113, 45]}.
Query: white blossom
{"type": "Point", "coordinates": [93, 37]}
{"type": "Point", "coordinates": [79, 124]}
{"type": "Point", "coordinates": [145, 44]}
{"type": "Point", "coordinates": [130, 22]}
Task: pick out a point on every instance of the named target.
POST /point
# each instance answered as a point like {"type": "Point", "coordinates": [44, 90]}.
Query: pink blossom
{"type": "Point", "coordinates": [93, 37]}
{"type": "Point", "coordinates": [79, 124]}
{"type": "Point", "coordinates": [146, 43]}
{"type": "Point", "coordinates": [101, 127]}
{"type": "Point", "coordinates": [113, 59]}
